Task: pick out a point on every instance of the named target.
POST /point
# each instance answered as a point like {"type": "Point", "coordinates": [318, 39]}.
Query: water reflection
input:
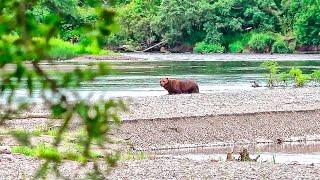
{"type": "Point", "coordinates": [297, 152]}
{"type": "Point", "coordinates": [308, 147]}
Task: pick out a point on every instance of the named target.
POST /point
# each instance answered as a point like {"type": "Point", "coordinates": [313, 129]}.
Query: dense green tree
{"type": "Point", "coordinates": [136, 19]}
{"type": "Point", "coordinates": [76, 15]}
{"type": "Point", "coordinates": [179, 19]}
{"type": "Point", "coordinates": [307, 23]}
{"type": "Point", "coordinates": [182, 21]}
{"type": "Point", "coordinates": [219, 22]}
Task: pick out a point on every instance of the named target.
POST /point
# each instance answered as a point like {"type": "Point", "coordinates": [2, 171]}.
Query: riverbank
{"type": "Point", "coordinates": [195, 57]}
{"type": "Point", "coordinates": [209, 104]}
{"type": "Point", "coordinates": [218, 103]}
{"type": "Point", "coordinates": [219, 130]}
{"type": "Point", "coordinates": [21, 167]}
{"type": "Point", "coordinates": [165, 168]}
{"type": "Point", "coordinates": [171, 122]}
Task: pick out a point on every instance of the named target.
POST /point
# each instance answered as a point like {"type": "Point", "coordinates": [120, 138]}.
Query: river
{"type": "Point", "coordinates": [213, 73]}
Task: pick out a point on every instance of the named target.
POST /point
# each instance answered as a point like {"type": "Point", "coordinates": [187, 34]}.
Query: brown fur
{"type": "Point", "coordinates": [175, 86]}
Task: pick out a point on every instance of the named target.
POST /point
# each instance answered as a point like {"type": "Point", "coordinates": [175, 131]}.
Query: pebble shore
{"type": "Point", "coordinates": [187, 132]}
{"type": "Point", "coordinates": [180, 120]}
{"type": "Point", "coordinates": [13, 167]}
{"type": "Point", "coordinates": [234, 102]}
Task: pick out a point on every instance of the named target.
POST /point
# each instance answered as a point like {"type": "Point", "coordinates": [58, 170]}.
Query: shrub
{"type": "Point", "coordinates": [273, 69]}
{"type": "Point", "coordinates": [299, 78]}
{"type": "Point", "coordinates": [281, 46]}
{"type": "Point", "coordinates": [261, 43]}
{"type": "Point", "coordinates": [316, 75]}
{"type": "Point", "coordinates": [47, 151]}
{"type": "Point", "coordinates": [203, 47]}
{"type": "Point", "coordinates": [302, 80]}
{"type": "Point", "coordinates": [63, 50]}
{"type": "Point", "coordinates": [236, 47]}
{"type": "Point", "coordinates": [237, 42]}
{"type": "Point", "coordinates": [284, 77]}
{"type": "Point", "coordinates": [295, 72]}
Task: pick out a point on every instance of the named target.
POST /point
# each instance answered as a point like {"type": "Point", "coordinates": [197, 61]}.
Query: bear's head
{"type": "Point", "coordinates": [164, 81]}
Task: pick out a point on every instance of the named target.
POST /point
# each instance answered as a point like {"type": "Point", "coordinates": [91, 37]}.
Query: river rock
{"type": "Point", "coordinates": [5, 150]}
{"type": "Point", "coordinates": [164, 50]}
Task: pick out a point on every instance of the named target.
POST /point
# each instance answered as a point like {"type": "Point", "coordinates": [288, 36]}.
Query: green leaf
{"type": "Point", "coordinates": [57, 110]}
{"type": "Point", "coordinates": [30, 84]}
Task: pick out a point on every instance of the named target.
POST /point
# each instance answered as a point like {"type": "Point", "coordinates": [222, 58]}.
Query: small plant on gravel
{"type": "Point", "coordinates": [300, 79]}
{"type": "Point", "coordinates": [51, 132]}
{"type": "Point", "coordinates": [284, 78]}
{"type": "Point", "coordinates": [273, 69]}
{"type": "Point", "coordinates": [47, 151]}
{"type": "Point", "coordinates": [133, 156]}
{"type": "Point", "coordinates": [316, 76]}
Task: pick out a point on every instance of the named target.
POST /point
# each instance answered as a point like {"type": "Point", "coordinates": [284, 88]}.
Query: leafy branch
{"type": "Point", "coordinates": [24, 44]}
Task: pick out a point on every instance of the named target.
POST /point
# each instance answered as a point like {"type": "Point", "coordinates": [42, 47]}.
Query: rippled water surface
{"type": "Point", "coordinates": [141, 77]}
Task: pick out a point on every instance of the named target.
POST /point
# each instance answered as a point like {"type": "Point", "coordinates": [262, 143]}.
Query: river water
{"type": "Point", "coordinates": [288, 153]}
{"type": "Point", "coordinates": [213, 74]}
{"type": "Point", "coordinates": [141, 78]}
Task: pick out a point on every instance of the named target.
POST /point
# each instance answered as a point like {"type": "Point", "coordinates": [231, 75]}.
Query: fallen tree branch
{"type": "Point", "coordinates": [162, 42]}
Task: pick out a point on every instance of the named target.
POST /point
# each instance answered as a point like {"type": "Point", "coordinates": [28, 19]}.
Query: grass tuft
{"type": "Point", "coordinates": [49, 152]}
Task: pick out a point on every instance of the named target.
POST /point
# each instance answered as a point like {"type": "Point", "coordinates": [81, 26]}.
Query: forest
{"type": "Point", "coordinates": [203, 26]}
{"type": "Point", "coordinates": [279, 26]}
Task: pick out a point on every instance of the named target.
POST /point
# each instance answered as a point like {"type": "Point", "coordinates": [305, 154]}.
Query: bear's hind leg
{"type": "Point", "coordinates": [195, 89]}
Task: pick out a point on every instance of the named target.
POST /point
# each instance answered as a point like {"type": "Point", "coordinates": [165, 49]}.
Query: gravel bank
{"type": "Point", "coordinates": [217, 103]}
{"type": "Point", "coordinates": [244, 128]}
{"type": "Point", "coordinates": [182, 120]}
{"type": "Point", "coordinates": [189, 169]}
{"type": "Point", "coordinates": [191, 105]}
{"type": "Point", "coordinates": [13, 167]}
{"type": "Point", "coordinates": [21, 167]}
{"type": "Point", "coordinates": [222, 57]}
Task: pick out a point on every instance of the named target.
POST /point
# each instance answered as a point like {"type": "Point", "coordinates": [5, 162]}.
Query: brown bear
{"type": "Point", "coordinates": [175, 86]}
